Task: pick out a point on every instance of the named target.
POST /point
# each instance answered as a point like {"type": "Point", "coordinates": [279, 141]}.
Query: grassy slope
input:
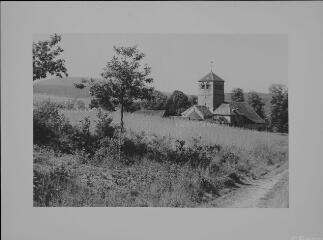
{"type": "Point", "coordinates": [172, 187]}
{"type": "Point", "coordinates": [242, 142]}
{"type": "Point", "coordinates": [62, 87]}
{"type": "Point", "coordinates": [159, 184]}
{"type": "Point", "coordinates": [185, 129]}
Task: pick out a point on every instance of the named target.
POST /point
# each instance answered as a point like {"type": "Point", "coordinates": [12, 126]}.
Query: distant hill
{"type": "Point", "coordinates": [64, 87]}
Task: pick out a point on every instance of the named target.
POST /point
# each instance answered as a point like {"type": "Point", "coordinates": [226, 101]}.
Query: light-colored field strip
{"type": "Point", "coordinates": [183, 129]}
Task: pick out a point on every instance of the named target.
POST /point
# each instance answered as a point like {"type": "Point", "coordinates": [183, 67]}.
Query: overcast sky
{"type": "Point", "coordinates": [178, 61]}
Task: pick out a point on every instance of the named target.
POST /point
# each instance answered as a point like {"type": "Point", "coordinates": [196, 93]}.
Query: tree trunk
{"type": "Point", "coordinates": [121, 117]}
{"type": "Point", "coordinates": [121, 130]}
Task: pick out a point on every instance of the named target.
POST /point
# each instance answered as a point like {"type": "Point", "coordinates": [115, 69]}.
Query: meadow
{"type": "Point", "coordinates": [165, 162]}
{"type": "Point", "coordinates": [42, 97]}
{"type": "Point", "coordinates": [209, 133]}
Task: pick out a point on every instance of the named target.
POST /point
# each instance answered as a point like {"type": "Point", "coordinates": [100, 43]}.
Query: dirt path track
{"type": "Point", "coordinates": [268, 192]}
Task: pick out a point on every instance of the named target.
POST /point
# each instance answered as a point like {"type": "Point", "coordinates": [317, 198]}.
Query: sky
{"type": "Point", "coordinates": [248, 61]}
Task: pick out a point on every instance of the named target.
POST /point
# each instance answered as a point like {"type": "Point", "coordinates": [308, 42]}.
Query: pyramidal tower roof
{"type": "Point", "coordinates": [210, 77]}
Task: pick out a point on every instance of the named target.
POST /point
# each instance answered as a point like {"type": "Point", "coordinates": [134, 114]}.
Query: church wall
{"type": "Point", "coordinates": [218, 90]}
{"type": "Point", "coordinates": [205, 96]}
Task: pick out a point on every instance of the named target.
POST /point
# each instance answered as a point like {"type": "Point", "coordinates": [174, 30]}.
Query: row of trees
{"type": "Point", "coordinates": [126, 80]}
{"type": "Point", "coordinates": [278, 117]}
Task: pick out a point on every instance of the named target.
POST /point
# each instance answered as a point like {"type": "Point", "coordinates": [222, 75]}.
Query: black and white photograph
{"type": "Point", "coordinates": [156, 120]}
{"type": "Point", "coordinates": [160, 120]}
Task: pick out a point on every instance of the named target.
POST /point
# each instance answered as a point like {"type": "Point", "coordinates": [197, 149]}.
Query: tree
{"type": "Point", "coordinates": [126, 80]}
{"type": "Point", "coordinates": [176, 103]}
{"type": "Point", "coordinates": [255, 101]}
{"type": "Point", "coordinates": [157, 101]}
{"type": "Point", "coordinates": [82, 84]}
{"type": "Point", "coordinates": [237, 95]}
{"type": "Point", "coordinates": [101, 93]}
{"type": "Point", "coordinates": [279, 108]}
{"type": "Point", "coordinates": [46, 58]}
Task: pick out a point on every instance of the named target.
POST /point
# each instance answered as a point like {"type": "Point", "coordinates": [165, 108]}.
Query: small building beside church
{"type": "Point", "coordinates": [212, 106]}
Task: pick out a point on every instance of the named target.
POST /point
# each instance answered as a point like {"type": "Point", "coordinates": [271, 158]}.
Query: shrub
{"type": "Point", "coordinates": [81, 137]}
{"type": "Point", "coordinates": [107, 153]}
{"type": "Point", "coordinates": [160, 149]}
{"type": "Point", "coordinates": [49, 125]}
{"type": "Point", "coordinates": [53, 130]}
{"type": "Point", "coordinates": [103, 126]}
{"type": "Point", "coordinates": [49, 183]}
{"type": "Point", "coordinates": [94, 103]}
{"type": "Point", "coordinates": [70, 104]}
{"type": "Point", "coordinates": [63, 180]}
{"type": "Point", "coordinates": [80, 105]}
{"type": "Point", "coordinates": [134, 144]}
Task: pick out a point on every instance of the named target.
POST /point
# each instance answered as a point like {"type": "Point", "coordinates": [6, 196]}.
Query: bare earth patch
{"type": "Point", "coordinates": [271, 191]}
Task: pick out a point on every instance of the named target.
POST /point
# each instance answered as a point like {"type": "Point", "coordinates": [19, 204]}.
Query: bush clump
{"type": "Point", "coordinates": [52, 129]}
{"type": "Point", "coordinates": [163, 150]}
{"type": "Point", "coordinates": [49, 125]}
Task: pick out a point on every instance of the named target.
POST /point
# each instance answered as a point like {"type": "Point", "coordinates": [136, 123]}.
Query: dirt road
{"type": "Point", "coordinates": [271, 191]}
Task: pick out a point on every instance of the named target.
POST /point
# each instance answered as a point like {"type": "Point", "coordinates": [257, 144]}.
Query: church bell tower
{"type": "Point", "coordinates": [211, 91]}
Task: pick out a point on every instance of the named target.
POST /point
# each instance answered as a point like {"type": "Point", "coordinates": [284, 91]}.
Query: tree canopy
{"type": "Point", "coordinates": [46, 58]}
{"type": "Point", "coordinates": [237, 95]}
{"type": "Point", "coordinates": [176, 104]}
{"type": "Point", "coordinates": [156, 102]}
{"type": "Point", "coordinates": [255, 101]}
{"type": "Point", "coordinates": [279, 108]}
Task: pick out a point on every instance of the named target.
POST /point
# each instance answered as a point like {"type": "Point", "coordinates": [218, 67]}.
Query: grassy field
{"type": "Point", "coordinates": [176, 128]}
{"type": "Point", "coordinates": [153, 178]}
{"type": "Point", "coordinates": [186, 130]}
{"type": "Point", "coordinates": [39, 97]}
{"type": "Point", "coordinates": [254, 147]}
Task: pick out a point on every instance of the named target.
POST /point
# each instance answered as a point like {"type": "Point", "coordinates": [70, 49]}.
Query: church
{"type": "Point", "coordinates": [212, 106]}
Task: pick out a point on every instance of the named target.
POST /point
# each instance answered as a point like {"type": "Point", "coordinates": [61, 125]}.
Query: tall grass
{"type": "Point", "coordinates": [39, 98]}
{"type": "Point", "coordinates": [165, 162]}
{"type": "Point", "coordinates": [187, 130]}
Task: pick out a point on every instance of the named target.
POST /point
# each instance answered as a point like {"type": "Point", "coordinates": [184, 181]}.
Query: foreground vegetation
{"type": "Point", "coordinates": [161, 162]}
